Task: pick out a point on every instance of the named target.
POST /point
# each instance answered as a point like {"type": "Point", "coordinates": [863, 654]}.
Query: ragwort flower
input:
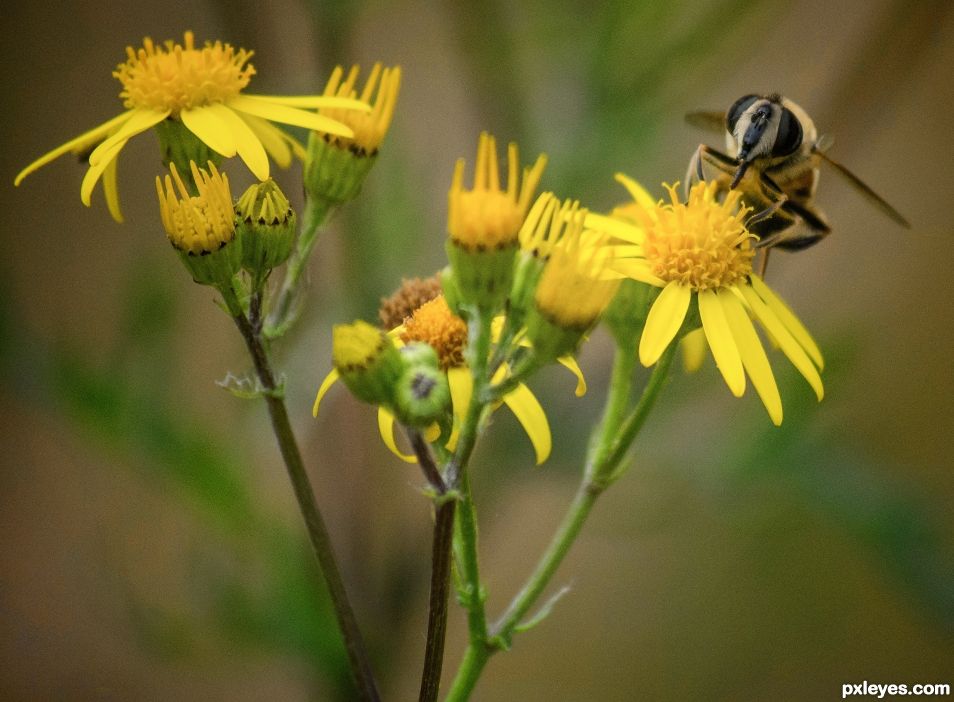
{"type": "Point", "coordinates": [433, 323]}
{"type": "Point", "coordinates": [200, 89]}
{"type": "Point", "coordinates": [700, 252]}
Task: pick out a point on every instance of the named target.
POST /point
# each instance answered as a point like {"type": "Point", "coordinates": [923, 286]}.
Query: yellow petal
{"type": "Point", "coordinates": [789, 319]}
{"type": "Point", "coordinates": [111, 190]}
{"type": "Point", "coordinates": [325, 386]}
{"type": "Point", "coordinates": [210, 129]}
{"type": "Point", "coordinates": [288, 115]}
{"type": "Point", "coordinates": [693, 346]}
{"type": "Point", "coordinates": [639, 193]}
{"type": "Point", "coordinates": [753, 355]}
{"type": "Point", "coordinates": [615, 227]}
{"type": "Point", "coordinates": [721, 341]}
{"type": "Point", "coordinates": [273, 139]}
{"type": "Point", "coordinates": [247, 144]}
{"type": "Point", "coordinates": [790, 347]}
{"type": "Point", "coordinates": [75, 145]}
{"type": "Point", "coordinates": [314, 101]}
{"type": "Point", "coordinates": [532, 418]}
{"type": "Point", "coordinates": [461, 386]}
{"type": "Point", "coordinates": [663, 322]}
{"type": "Point", "coordinates": [386, 427]}
{"type": "Point", "coordinates": [638, 270]}
{"type": "Point", "coordinates": [138, 122]}
{"type": "Point", "coordinates": [570, 363]}
{"type": "Point", "coordinates": [94, 172]}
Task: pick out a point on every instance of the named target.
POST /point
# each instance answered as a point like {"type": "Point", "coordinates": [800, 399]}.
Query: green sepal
{"type": "Point", "coordinates": [332, 173]}
{"type": "Point", "coordinates": [214, 267]}
{"type": "Point", "coordinates": [527, 274]}
{"type": "Point", "coordinates": [550, 340]}
{"type": "Point", "coordinates": [483, 277]}
{"type": "Point", "coordinates": [625, 316]}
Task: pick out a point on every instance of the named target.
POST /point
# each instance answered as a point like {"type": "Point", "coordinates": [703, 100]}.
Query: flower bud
{"type": "Point", "coordinates": [422, 395]}
{"type": "Point", "coordinates": [484, 223]}
{"type": "Point", "coordinates": [367, 360]}
{"type": "Point", "coordinates": [335, 166]}
{"type": "Point", "coordinates": [265, 223]}
{"type": "Point", "coordinates": [201, 227]}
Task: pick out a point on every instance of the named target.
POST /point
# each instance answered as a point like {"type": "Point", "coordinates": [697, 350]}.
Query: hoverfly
{"type": "Point", "coordinates": [774, 154]}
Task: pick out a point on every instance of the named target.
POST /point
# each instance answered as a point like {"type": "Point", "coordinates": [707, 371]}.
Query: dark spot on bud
{"type": "Point", "coordinates": [422, 385]}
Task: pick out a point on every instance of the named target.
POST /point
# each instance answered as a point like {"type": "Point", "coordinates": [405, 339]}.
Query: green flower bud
{"type": "Point", "coordinates": [368, 361]}
{"type": "Point", "coordinates": [422, 395]}
{"type": "Point", "coordinates": [265, 222]}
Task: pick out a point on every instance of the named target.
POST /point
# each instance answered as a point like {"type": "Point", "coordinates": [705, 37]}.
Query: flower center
{"type": "Point", "coordinates": [702, 243]}
{"type": "Point", "coordinates": [177, 77]}
{"type": "Point", "coordinates": [434, 324]}
{"type": "Point", "coordinates": [412, 294]}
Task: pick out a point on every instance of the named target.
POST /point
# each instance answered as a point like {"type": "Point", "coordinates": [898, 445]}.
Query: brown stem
{"type": "Point", "coordinates": [440, 570]}
{"type": "Point", "coordinates": [317, 531]}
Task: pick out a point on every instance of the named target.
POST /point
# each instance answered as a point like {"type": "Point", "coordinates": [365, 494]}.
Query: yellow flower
{"type": "Point", "coordinates": [700, 252]}
{"type": "Point", "coordinates": [197, 224]}
{"type": "Point", "coordinates": [369, 128]}
{"type": "Point", "coordinates": [201, 227]}
{"type": "Point", "coordinates": [434, 324]}
{"type": "Point", "coordinates": [201, 88]}
{"type": "Point", "coordinates": [485, 217]}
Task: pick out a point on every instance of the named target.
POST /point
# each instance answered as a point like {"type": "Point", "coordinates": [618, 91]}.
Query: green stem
{"type": "Point", "coordinates": [615, 437]}
{"type": "Point", "coordinates": [315, 524]}
{"type": "Point", "coordinates": [283, 313]}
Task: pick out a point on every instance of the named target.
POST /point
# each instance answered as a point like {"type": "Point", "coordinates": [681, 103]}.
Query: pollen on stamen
{"type": "Point", "coordinates": [179, 76]}
{"type": "Point", "coordinates": [434, 324]}
{"type": "Point", "coordinates": [702, 243]}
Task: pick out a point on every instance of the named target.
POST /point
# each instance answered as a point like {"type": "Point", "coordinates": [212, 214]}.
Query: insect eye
{"type": "Point", "coordinates": [738, 107]}
{"type": "Point", "coordinates": [789, 136]}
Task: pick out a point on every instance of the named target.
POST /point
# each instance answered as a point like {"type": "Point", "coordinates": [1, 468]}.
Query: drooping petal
{"type": "Point", "coordinates": [289, 115]}
{"type": "Point", "coordinates": [94, 172]}
{"type": "Point", "coordinates": [532, 418]}
{"type": "Point", "coordinates": [693, 346]}
{"type": "Point", "coordinates": [663, 322]}
{"type": "Point", "coordinates": [75, 145]}
{"type": "Point", "coordinates": [111, 190]}
{"type": "Point", "coordinates": [790, 347]}
{"type": "Point", "coordinates": [386, 428]}
{"type": "Point", "coordinates": [461, 385]}
{"type": "Point", "coordinates": [789, 319]}
{"type": "Point", "coordinates": [314, 101]}
{"type": "Point", "coordinates": [753, 355]}
{"type": "Point", "coordinates": [638, 270]}
{"type": "Point", "coordinates": [570, 363]}
{"type": "Point", "coordinates": [720, 339]}
{"type": "Point", "coordinates": [273, 139]}
{"type": "Point", "coordinates": [209, 127]}
{"type": "Point", "coordinates": [325, 386]}
{"type": "Point", "coordinates": [247, 144]}
{"type": "Point", "coordinates": [139, 121]}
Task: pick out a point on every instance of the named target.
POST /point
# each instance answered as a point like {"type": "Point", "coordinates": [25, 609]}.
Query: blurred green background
{"type": "Point", "coordinates": [151, 546]}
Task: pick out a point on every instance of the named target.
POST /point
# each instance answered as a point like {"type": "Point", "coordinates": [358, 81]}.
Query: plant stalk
{"type": "Point", "coordinates": [441, 554]}
{"type": "Point", "coordinates": [315, 524]}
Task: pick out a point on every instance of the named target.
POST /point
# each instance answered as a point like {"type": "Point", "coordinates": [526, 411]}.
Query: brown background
{"type": "Point", "coordinates": [734, 562]}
